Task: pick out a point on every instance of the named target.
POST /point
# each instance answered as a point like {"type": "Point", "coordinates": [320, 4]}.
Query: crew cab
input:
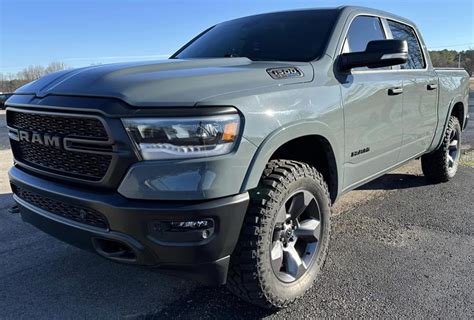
{"type": "Point", "coordinates": [222, 162]}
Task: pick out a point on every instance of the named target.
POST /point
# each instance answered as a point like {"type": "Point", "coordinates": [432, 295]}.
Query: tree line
{"type": "Point", "coordinates": [440, 58]}
{"type": "Point", "coordinates": [12, 81]}
{"type": "Point", "coordinates": [454, 59]}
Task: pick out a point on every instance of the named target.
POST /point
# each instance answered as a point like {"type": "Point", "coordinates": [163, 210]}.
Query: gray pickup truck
{"type": "Point", "coordinates": [222, 162]}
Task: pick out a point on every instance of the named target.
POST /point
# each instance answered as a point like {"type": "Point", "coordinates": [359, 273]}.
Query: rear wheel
{"type": "Point", "coordinates": [285, 236]}
{"type": "Point", "coordinates": [442, 164]}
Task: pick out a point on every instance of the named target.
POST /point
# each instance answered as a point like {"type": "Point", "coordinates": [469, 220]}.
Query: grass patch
{"type": "Point", "coordinates": [467, 163]}
{"type": "Point", "coordinates": [467, 158]}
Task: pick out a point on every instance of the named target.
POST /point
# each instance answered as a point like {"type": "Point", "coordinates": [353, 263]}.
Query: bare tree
{"type": "Point", "coordinates": [31, 73]}
{"type": "Point", "coordinates": [10, 82]}
{"type": "Point", "coordinates": [55, 66]}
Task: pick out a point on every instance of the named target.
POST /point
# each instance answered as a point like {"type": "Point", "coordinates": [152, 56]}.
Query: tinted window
{"type": "Point", "coordinates": [415, 54]}
{"type": "Point", "coordinates": [363, 30]}
{"type": "Point", "coordinates": [283, 36]}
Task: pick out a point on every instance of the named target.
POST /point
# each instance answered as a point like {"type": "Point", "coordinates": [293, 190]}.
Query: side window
{"type": "Point", "coordinates": [415, 54]}
{"type": "Point", "coordinates": [363, 30]}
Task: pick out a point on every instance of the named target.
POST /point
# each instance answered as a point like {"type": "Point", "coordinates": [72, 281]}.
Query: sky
{"type": "Point", "coordinates": [85, 32]}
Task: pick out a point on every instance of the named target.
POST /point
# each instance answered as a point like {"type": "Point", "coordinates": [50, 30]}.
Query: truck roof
{"type": "Point", "coordinates": [352, 9]}
{"type": "Point", "coordinates": [385, 14]}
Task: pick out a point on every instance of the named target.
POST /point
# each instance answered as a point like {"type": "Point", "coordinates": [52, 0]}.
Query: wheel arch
{"type": "Point", "coordinates": [287, 142]}
{"type": "Point", "coordinates": [458, 108]}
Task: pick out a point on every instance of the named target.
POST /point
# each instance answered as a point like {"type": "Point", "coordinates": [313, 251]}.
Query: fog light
{"type": "Point", "coordinates": [185, 225]}
{"type": "Point", "coordinates": [182, 231]}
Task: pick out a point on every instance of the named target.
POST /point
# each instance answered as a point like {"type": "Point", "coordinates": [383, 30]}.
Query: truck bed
{"type": "Point", "coordinates": [453, 83]}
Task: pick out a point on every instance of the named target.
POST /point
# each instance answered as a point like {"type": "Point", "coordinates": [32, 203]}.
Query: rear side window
{"type": "Point", "coordinates": [415, 54]}
{"type": "Point", "coordinates": [363, 30]}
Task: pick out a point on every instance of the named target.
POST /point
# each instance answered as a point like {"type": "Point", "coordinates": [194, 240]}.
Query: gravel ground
{"type": "Point", "coordinates": [400, 248]}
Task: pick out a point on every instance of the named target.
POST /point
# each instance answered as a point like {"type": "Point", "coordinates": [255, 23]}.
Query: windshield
{"type": "Point", "coordinates": [282, 36]}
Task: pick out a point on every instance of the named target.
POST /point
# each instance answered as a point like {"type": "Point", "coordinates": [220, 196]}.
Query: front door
{"type": "Point", "coordinates": [373, 104]}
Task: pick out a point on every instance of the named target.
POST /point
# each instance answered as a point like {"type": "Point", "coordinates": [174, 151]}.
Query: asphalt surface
{"type": "Point", "coordinates": [400, 248]}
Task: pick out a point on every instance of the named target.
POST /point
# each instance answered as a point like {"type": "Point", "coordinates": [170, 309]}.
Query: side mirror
{"type": "Point", "coordinates": [379, 53]}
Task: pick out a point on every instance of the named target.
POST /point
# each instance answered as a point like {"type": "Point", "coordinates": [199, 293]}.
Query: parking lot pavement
{"type": "Point", "coordinates": [407, 255]}
{"type": "Point", "coordinates": [43, 278]}
{"type": "Point", "coordinates": [400, 248]}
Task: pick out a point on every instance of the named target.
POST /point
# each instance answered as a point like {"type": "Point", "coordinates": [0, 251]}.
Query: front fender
{"type": "Point", "coordinates": [284, 135]}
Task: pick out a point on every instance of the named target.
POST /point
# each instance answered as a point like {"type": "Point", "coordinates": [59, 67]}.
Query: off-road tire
{"type": "Point", "coordinates": [251, 276]}
{"type": "Point", "coordinates": [435, 165]}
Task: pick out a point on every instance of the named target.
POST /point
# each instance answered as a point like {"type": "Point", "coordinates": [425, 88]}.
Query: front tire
{"type": "Point", "coordinates": [442, 164]}
{"type": "Point", "coordinates": [284, 240]}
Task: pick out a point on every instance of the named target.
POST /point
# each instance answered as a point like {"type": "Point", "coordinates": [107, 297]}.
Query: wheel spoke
{"type": "Point", "coordinates": [450, 160]}
{"type": "Point", "coordinates": [293, 263]}
{"type": "Point", "coordinates": [276, 255]}
{"type": "Point", "coordinates": [309, 230]}
{"type": "Point", "coordinates": [453, 144]}
{"type": "Point", "coordinates": [299, 203]}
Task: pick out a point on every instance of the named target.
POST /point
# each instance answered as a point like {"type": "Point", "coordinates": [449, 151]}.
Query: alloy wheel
{"type": "Point", "coordinates": [296, 236]}
{"type": "Point", "coordinates": [453, 149]}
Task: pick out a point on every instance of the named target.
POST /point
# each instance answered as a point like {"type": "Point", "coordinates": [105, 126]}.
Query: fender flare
{"type": "Point", "coordinates": [457, 99]}
{"type": "Point", "coordinates": [283, 135]}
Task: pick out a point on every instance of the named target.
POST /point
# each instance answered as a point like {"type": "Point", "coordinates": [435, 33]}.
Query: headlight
{"type": "Point", "coordinates": [179, 138]}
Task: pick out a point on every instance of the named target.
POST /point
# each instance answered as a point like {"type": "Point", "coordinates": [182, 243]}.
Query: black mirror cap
{"type": "Point", "coordinates": [387, 46]}
{"type": "Point", "coordinates": [379, 53]}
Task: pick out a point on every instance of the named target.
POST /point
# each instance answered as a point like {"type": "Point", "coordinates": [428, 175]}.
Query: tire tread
{"type": "Point", "coordinates": [245, 271]}
{"type": "Point", "coordinates": [434, 165]}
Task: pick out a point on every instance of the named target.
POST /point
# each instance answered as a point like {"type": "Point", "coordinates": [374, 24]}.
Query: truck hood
{"type": "Point", "coordinates": [165, 83]}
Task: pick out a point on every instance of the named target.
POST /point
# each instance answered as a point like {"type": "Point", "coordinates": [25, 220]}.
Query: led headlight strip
{"type": "Point", "coordinates": [186, 137]}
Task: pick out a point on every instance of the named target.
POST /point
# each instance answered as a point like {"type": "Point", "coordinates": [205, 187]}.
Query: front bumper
{"type": "Point", "coordinates": [129, 228]}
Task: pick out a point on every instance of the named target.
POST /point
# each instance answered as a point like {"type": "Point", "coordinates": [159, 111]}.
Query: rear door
{"type": "Point", "coordinates": [373, 104]}
{"type": "Point", "coordinates": [420, 94]}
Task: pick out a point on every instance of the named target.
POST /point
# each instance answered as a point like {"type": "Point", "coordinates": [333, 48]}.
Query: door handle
{"type": "Point", "coordinates": [432, 86]}
{"type": "Point", "coordinates": [395, 91]}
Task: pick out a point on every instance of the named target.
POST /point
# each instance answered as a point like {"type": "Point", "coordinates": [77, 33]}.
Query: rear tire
{"type": "Point", "coordinates": [442, 164]}
{"type": "Point", "coordinates": [284, 240]}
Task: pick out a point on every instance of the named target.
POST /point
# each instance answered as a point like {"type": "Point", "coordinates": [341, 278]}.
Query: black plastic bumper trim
{"type": "Point", "coordinates": [206, 260]}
